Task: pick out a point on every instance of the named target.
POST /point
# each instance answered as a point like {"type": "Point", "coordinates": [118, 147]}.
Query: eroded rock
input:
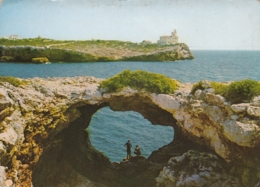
{"type": "Point", "coordinates": [239, 108]}
{"type": "Point", "coordinates": [241, 134]}
{"type": "Point", "coordinates": [196, 169]}
{"type": "Point", "coordinates": [253, 111]}
{"type": "Point", "coordinates": [37, 126]}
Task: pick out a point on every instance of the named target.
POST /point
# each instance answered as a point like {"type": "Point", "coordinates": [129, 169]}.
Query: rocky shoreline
{"type": "Point", "coordinates": [59, 53]}
{"type": "Point", "coordinates": [43, 141]}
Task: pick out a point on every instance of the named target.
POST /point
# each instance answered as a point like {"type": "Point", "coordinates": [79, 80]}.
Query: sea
{"type": "Point", "coordinates": [110, 130]}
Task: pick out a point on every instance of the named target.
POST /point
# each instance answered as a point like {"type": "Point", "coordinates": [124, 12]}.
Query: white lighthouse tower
{"type": "Point", "coordinates": [168, 40]}
{"type": "Point", "coordinates": [175, 38]}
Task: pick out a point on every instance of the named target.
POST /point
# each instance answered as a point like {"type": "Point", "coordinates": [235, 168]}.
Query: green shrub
{"type": "Point", "coordinates": [14, 81]}
{"type": "Point", "coordinates": [242, 91]}
{"type": "Point", "coordinates": [40, 60]}
{"type": "Point", "coordinates": [236, 92]}
{"type": "Point", "coordinates": [197, 86]}
{"type": "Point", "coordinates": [219, 88]}
{"type": "Point", "coordinates": [140, 80]}
{"type": "Point", "coordinates": [7, 59]}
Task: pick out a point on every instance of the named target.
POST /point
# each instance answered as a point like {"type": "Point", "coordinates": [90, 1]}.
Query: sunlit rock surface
{"type": "Point", "coordinates": [43, 141]}
{"type": "Point", "coordinates": [196, 169]}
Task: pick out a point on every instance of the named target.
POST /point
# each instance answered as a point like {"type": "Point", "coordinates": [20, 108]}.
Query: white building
{"type": "Point", "coordinates": [167, 40]}
{"type": "Point", "coordinates": [13, 37]}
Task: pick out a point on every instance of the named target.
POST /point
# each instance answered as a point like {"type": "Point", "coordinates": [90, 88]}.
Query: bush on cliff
{"type": "Point", "coordinates": [242, 91]}
{"type": "Point", "coordinates": [219, 88]}
{"type": "Point", "coordinates": [6, 59]}
{"type": "Point", "coordinates": [40, 60]}
{"type": "Point", "coordinates": [14, 81]}
{"type": "Point", "coordinates": [140, 80]}
{"type": "Point", "coordinates": [196, 86]}
{"type": "Point", "coordinates": [236, 92]}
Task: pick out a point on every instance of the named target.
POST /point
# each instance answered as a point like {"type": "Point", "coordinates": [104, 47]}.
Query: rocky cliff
{"type": "Point", "coordinates": [95, 53]}
{"type": "Point", "coordinates": [43, 141]}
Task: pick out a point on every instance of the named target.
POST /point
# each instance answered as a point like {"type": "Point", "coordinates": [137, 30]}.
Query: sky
{"type": "Point", "coordinates": [201, 24]}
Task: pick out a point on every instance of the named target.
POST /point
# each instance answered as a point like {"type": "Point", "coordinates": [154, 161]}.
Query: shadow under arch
{"type": "Point", "coordinates": [71, 160]}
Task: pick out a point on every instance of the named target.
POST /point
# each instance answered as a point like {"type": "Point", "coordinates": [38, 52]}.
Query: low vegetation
{"type": "Point", "coordinates": [23, 50]}
{"type": "Point", "coordinates": [235, 92]}
{"type": "Point", "coordinates": [140, 80]}
{"type": "Point", "coordinates": [6, 59]}
{"type": "Point", "coordinates": [81, 44]}
{"type": "Point", "coordinates": [242, 91]}
{"type": "Point", "coordinates": [40, 60]}
{"type": "Point", "coordinates": [12, 80]}
{"type": "Point", "coordinates": [219, 88]}
{"type": "Point", "coordinates": [30, 42]}
{"type": "Point", "coordinates": [197, 86]}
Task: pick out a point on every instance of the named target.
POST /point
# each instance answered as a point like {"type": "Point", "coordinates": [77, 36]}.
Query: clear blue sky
{"type": "Point", "coordinates": [202, 24]}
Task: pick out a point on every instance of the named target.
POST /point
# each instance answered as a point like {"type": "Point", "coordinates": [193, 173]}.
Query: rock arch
{"type": "Point", "coordinates": [44, 142]}
{"type": "Point", "coordinates": [74, 151]}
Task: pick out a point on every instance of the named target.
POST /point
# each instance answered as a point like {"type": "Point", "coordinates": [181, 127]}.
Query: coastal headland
{"type": "Point", "coordinates": [24, 50]}
{"type": "Point", "coordinates": [44, 141]}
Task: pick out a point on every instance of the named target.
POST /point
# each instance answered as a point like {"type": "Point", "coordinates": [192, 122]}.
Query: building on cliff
{"type": "Point", "coordinates": [167, 40]}
{"type": "Point", "coordinates": [13, 37]}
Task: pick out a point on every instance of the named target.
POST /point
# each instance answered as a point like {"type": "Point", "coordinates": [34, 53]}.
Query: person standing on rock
{"type": "Point", "coordinates": [128, 146]}
{"type": "Point", "coordinates": [137, 150]}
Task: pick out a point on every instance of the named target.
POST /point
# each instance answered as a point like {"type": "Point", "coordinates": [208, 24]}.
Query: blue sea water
{"type": "Point", "coordinates": [210, 65]}
{"type": "Point", "coordinates": [110, 130]}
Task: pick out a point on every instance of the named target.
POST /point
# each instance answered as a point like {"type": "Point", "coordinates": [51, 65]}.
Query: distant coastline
{"type": "Point", "coordinates": [24, 50]}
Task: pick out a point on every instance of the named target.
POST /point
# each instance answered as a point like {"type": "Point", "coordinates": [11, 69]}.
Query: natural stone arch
{"type": "Point", "coordinates": [49, 109]}
{"type": "Point", "coordinates": [74, 155]}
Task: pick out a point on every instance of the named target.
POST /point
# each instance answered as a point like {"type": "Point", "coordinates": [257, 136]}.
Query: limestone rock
{"type": "Point", "coordinates": [215, 99]}
{"type": "Point", "coordinates": [5, 101]}
{"type": "Point", "coordinates": [240, 133]}
{"type": "Point", "coordinates": [253, 111]}
{"type": "Point", "coordinates": [220, 147]}
{"type": "Point", "coordinates": [167, 102]}
{"type": "Point", "coordinates": [234, 117]}
{"type": "Point", "coordinates": [196, 169]}
{"type": "Point", "coordinates": [9, 137]}
{"type": "Point", "coordinates": [256, 101]}
{"type": "Point", "coordinates": [239, 108]}
{"type": "Point", "coordinates": [8, 183]}
{"type": "Point", "coordinates": [2, 176]}
{"type": "Point", "coordinates": [198, 93]}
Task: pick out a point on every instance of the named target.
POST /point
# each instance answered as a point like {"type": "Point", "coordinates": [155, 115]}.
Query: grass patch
{"type": "Point", "coordinates": [242, 91]}
{"type": "Point", "coordinates": [6, 59]}
{"type": "Point", "coordinates": [40, 60]}
{"type": "Point", "coordinates": [14, 81]}
{"type": "Point", "coordinates": [140, 80]}
{"type": "Point", "coordinates": [81, 44]}
{"type": "Point", "coordinates": [30, 42]}
{"type": "Point", "coordinates": [219, 88]}
{"type": "Point", "coordinates": [236, 92]}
